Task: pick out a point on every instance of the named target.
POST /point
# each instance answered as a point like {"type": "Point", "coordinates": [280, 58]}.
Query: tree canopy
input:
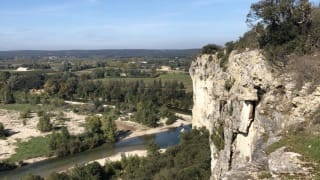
{"type": "Point", "coordinates": [283, 27]}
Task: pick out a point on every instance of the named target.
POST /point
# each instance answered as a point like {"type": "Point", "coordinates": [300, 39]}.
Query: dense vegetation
{"type": "Point", "coordinates": [188, 160]}
{"type": "Point", "coordinates": [210, 49]}
{"type": "Point", "coordinates": [98, 131]}
{"type": "Point", "coordinates": [280, 28]}
{"type": "Point", "coordinates": [144, 99]}
{"type": "Point", "coordinates": [285, 27]}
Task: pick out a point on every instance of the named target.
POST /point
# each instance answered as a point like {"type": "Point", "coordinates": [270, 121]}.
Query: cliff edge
{"type": "Point", "coordinates": [246, 106]}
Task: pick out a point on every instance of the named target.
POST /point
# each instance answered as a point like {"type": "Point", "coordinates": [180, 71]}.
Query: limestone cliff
{"type": "Point", "coordinates": [245, 106]}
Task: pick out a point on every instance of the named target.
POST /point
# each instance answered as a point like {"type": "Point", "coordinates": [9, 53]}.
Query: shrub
{"type": "Point", "coordinates": [40, 113]}
{"type": "Point", "coordinates": [210, 49]}
{"type": "Point", "coordinates": [44, 124]}
{"type": "Point", "coordinates": [32, 177]}
{"type": "Point", "coordinates": [264, 175]}
{"type": "Point", "coordinates": [248, 40]}
{"type": "Point", "coordinates": [6, 165]}
{"type": "Point", "coordinates": [171, 118]}
{"type": "Point", "coordinates": [2, 131]}
{"type": "Point", "coordinates": [228, 84]}
{"type": "Point", "coordinates": [25, 114]}
{"type": "Point", "coordinates": [217, 137]}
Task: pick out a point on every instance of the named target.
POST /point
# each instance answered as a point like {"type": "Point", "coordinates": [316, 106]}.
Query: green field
{"type": "Point", "coordinates": [19, 107]}
{"type": "Point", "coordinates": [35, 147]}
{"type": "Point", "coordinates": [170, 76]}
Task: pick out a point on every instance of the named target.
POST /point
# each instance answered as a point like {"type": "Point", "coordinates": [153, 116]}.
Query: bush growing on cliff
{"type": "Point", "coordinates": [223, 54]}
{"type": "Point", "coordinates": [210, 49]}
{"type": "Point", "coordinates": [217, 137]}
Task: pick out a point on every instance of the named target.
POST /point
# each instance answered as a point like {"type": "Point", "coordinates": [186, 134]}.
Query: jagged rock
{"type": "Point", "coordinates": [246, 116]}
{"type": "Point", "coordinates": [253, 101]}
{"type": "Point", "coordinates": [248, 94]}
{"type": "Point", "coordinates": [317, 92]}
{"type": "Point", "coordinates": [282, 162]}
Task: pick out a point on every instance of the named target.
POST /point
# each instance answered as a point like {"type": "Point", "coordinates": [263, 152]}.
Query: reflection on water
{"type": "Point", "coordinates": [44, 168]}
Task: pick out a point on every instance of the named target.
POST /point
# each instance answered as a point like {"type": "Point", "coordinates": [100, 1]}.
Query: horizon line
{"type": "Point", "coordinates": [101, 49]}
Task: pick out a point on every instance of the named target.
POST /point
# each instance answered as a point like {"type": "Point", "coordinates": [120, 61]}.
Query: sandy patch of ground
{"type": "Point", "coordinates": [75, 103]}
{"type": "Point", "coordinates": [118, 156]}
{"type": "Point", "coordinates": [137, 129]}
{"type": "Point", "coordinates": [18, 131]}
{"type": "Point", "coordinates": [33, 160]}
{"type": "Point", "coordinates": [75, 122]}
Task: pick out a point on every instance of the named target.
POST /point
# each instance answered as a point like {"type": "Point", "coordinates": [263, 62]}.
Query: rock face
{"type": "Point", "coordinates": [245, 106]}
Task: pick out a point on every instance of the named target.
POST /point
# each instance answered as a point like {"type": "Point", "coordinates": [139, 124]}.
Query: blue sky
{"type": "Point", "coordinates": [120, 24]}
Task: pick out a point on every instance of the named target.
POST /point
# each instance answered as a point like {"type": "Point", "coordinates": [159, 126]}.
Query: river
{"type": "Point", "coordinates": [46, 167]}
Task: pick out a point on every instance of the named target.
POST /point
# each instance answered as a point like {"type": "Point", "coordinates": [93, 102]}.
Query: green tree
{"type": "Point", "coordinates": [282, 26]}
{"type": "Point", "coordinates": [7, 95]}
{"type": "Point", "coordinates": [92, 171]}
{"type": "Point", "coordinates": [44, 124]}
{"type": "Point", "coordinates": [315, 28]}
{"type": "Point", "coordinates": [153, 149]}
{"type": "Point", "coordinates": [146, 114]}
{"type": "Point", "coordinates": [93, 124]}
{"type": "Point", "coordinates": [171, 118]}
{"type": "Point", "coordinates": [2, 131]}
{"type": "Point", "coordinates": [164, 111]}
{"type": "Point", "coordinates": [4, 76]}
{"type": "Point", "coordinates": [51, 87]}
{"type": "Point", "coordinates": [109, 128]}
{"type": "Point", "coordinates": [32, 177]}
{"type": "Point", "coordinates": [57, 176]}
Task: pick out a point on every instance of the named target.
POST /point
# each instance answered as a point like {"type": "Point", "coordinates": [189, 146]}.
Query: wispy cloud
{"type": "Point", "coordinates": [52, 9]}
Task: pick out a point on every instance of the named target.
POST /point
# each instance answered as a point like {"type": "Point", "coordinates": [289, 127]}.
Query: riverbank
{"type": "Point", "coordinates": [132, 146]}
{"type": "Point", "coordinates": [11, 120]}
{"type": "Point", "coordinates": [23, 129]}
{"type": "Point", "coordinates": [136, 129]}
{"type": "Point", "coordinates": [118, 156]}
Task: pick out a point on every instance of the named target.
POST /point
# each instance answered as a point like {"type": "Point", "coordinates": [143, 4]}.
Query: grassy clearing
{"type": "Point", "coordinates": [182, 77]}
{"type": "Point", "coordinates": [19, 107]}
{"type": "Point", "coordinates": [35, 147]}
{"type": "Point", "coordinates": [306, 144]}
{"type": "Point", "coordinates": [30, 107]}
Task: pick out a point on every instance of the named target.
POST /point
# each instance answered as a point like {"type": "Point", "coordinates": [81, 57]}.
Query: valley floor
{"type": "Point", "coordinates": [23, 131]}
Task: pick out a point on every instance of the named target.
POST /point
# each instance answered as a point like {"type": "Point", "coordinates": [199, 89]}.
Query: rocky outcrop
{"type": "Point", "coordinates": [245, 106]}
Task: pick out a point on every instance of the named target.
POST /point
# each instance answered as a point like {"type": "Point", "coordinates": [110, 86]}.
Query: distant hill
{"type": "Point", "coordinates": [119, 53]}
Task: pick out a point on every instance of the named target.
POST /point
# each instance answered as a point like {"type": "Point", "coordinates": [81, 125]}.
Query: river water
{"type": "Point", "coordinates": [46, 167]}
